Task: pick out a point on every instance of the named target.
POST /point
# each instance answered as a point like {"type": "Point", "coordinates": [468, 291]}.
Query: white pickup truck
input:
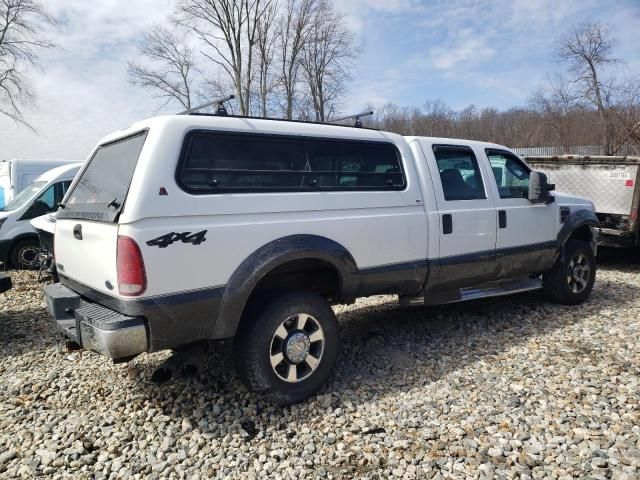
{"type": "Point", "coordinates": [188, 228]}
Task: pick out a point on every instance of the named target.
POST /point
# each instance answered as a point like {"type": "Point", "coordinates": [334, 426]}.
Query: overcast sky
{"type": "Point", "coordinates": [481, 52]}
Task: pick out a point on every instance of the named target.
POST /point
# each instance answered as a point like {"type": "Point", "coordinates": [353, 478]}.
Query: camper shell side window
{"type": "Point", "coordinates": [214, 162]}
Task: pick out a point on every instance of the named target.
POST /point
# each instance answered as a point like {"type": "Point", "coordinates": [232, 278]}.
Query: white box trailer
{"type": "Point", "coordinates": [611, 183]}
{"type": "Point", "coordinates": [17, 173]}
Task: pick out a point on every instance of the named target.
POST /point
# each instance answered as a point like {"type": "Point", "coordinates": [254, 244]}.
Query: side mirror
{"type": "Point", "coordinates": [539, 188]}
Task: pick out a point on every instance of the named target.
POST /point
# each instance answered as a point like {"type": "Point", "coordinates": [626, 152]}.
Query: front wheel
{"type": "Point", "coordinates": [571, 279]}
{"type": "Point", "coordinates": [289, 348]}
{"type": "Point", "coordinates": [24, 254]}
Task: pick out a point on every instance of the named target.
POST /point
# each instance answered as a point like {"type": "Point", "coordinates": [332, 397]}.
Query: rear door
{"type": "Point", "coordinates": [467, 216]}
{"type": "Point", "coordinates": [86, 227]}
{"type": "Point", "coordinates": [526, 240]}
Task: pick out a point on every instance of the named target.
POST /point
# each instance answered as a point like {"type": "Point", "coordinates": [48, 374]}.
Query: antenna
{"type": "Point", "coordinates": [356, 117]}
{"type": "Point", "coordinates": [219, 101]}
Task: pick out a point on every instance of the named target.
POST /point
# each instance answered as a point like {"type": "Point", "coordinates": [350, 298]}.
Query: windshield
{"type": "Point", "coordinates": [24, 196]}
{"type": "Point", "coordinates": [102, 188]}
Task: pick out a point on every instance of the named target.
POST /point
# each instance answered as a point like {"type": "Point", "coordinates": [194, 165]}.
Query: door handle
{"type": "Point", "coordinates": [77, 231]}
{"type": "Point", "coordinates": [502, 218]}
{"type": "Point", "coordinates": [447, 224]}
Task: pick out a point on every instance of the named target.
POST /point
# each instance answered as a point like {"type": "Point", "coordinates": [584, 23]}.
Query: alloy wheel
{"type": "Point", "coordinates": [578, 273]}
{"type": "Point", "coordinates": [297, 347]}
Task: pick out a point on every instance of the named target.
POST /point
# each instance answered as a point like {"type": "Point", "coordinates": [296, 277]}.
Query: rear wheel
{"type": "Point", "coordinates": [288, 348]}
{"type": "Point", "coordinates": [24, 254]}
{"type": "Point", "coordinates": [571, 280]}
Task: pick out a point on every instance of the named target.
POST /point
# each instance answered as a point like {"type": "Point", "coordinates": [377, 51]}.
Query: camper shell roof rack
{"type": "Point", "coordinates": [221, 111]}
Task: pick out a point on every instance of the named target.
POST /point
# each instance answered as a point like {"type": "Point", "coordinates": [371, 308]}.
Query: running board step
{"type": "Point", "coordinates": [491, 289]}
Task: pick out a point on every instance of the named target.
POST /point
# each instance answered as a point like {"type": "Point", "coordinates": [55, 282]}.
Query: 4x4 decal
{"type": "Point", "coordinates": [164, 241]}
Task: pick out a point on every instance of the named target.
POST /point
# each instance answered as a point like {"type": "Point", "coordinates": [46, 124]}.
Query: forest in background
{"type": "Point", "coordinates": [516, 127]}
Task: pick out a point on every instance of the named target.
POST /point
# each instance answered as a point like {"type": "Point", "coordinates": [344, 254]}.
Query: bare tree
{"type": "Point", "coordinates": [326, 59]}
{"type": "Point", "coordinates": [21, 25]}
{"type": "Point", "coordinates": [626, 116]}
{"type": "Point", "coordinates": [168, 68]}
{"type": "Point", "coordinates": [586, 51]}
{"type": "Point", "coordinates": [229, 28]}
{"type": "Point", "coordinates": [296, 25]}
{"type": "Point", "coordinates": [266, 53]}
{"type": "Point", "coordinates": [555, 104]}
{"type": "Point", "coordinates": [437, 118]}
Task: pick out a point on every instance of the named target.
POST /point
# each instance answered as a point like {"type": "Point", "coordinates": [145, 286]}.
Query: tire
{"type": "Point", "coordinates": [286, 348]}
{"type": "Point", "coordinates": [24, 254]}
{"type": "Point", "coordinates": [571, 280]}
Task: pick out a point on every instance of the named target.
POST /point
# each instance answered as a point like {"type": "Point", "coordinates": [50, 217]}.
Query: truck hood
{"type": "Point", "coordinates": [5, 214]}
{"type": "Point", "coordinates": [564, 199]}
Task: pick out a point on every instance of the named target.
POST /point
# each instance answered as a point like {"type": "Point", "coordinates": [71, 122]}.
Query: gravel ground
{"type": "Point", "coordinates": [503, 388]}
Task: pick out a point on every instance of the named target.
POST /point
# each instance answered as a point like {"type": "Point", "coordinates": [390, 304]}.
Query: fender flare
{"type": "Point", "coordinates": [574, 221]}
{"type": "Point", "coordinates": [270, 256]}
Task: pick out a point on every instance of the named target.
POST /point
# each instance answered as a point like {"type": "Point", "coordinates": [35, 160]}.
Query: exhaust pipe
{"type": "Point", "coordinates": [185, 361]}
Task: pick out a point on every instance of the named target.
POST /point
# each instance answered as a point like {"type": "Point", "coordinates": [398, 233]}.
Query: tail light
{"type": "Point", "coordinates": [132, 277]}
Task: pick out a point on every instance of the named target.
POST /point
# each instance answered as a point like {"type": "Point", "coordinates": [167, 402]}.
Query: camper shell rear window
{"type": "Point", "coordinates": [101, 190]}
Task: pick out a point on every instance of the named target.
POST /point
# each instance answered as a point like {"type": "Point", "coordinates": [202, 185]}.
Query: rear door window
{"type": "Point", "coordinates": [459, 173]}
{"type": "Point", "coordinates": [102, 189]}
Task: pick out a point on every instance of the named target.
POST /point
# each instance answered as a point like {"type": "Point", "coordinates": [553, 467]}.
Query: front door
{"type": "Point", "coordinates": [526, 239]}
{"type": "Point", "coordinates": [467, 217]}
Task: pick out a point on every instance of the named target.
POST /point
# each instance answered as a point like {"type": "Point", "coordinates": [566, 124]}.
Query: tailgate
{"type": "Point", "coordinates": [85, 251]}
{"type": "Point", "coordinates": [86, 235]}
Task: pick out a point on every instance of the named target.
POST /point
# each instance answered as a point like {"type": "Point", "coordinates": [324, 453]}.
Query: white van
{"type": "Point", "coordinates": [18, 240]}
{"type": "Point", "coordinates": [18, 173]}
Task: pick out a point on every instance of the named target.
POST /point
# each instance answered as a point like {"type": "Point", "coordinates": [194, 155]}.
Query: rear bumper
{"type": "Point", "coordinates": [172, 320]}
{"type": "Point", "coordinates": [95, 327]}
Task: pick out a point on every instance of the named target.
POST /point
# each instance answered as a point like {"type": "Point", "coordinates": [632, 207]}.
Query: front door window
{"type": "Point", "coordinates": [512, 176]}
{"type": "Point", "coordinates": [47, 201]}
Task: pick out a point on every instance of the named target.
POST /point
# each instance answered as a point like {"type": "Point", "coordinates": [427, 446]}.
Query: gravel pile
{"type": "Point", "coordinates": [503, 388]}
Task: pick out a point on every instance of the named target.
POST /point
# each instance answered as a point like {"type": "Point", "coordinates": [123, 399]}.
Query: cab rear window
{"type": "Point", "coordinates": [102, 189]}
